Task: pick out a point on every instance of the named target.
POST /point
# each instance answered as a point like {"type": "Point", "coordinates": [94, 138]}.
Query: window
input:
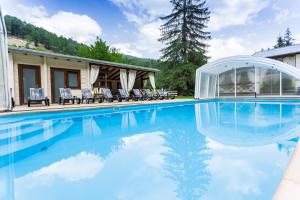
{"type": "Point", "coordinates": [290, 85]}
{"type": "Point", "coordinates": [268, 81]}
{"type": "Point", "coordinates": [68, 78]}
{"type": "Point", "coordinates": [73, 79]}
{"type": "Point", "coordinates": [226, 83]}
{"type": "Point", "coordinates": [245, 85]}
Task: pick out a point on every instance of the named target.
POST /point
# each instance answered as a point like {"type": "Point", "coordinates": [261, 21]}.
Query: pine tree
{"type": "Point", "coordinates": [184, 32]}
{"type": "Point", "coordinates": [288, 40]}
{"type": "Point", "coordinates": [280, 42]}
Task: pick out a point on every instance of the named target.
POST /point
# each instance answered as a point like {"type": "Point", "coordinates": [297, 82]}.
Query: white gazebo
{"type": "Point", "coordinates": [245, 76]}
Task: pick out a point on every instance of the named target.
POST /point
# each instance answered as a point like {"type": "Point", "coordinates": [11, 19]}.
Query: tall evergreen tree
{"type": "Point", "coordinates": [288, 39]}
{"type": "Point", "coordinates": [185, 38]}
{"type": "Point", "coordinates": [280, 42]}
{"type": "Point", "coordinates": [184, 31]}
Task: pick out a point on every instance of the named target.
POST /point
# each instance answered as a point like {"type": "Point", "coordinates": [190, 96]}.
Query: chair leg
{"type": "Point", "coordinates": [28, 103]}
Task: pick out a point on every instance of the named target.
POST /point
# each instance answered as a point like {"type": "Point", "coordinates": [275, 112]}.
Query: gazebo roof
{"type": "Point", "coordinates": [228, 63]}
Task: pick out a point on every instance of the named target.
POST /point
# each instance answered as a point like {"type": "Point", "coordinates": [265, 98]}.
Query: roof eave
{"type": "Point", "coordinates": [77, 58]}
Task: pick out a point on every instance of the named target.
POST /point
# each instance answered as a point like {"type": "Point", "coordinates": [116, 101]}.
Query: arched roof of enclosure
{"type": "Point", "coordinates": [225, 64]}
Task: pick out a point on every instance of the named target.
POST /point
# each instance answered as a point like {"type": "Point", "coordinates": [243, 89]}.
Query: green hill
{"type": "Point", "coordinates": [43, 40]}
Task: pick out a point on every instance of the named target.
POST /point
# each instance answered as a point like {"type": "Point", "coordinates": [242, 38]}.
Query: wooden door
{"type": "Point", "coordinates": [29, 77]}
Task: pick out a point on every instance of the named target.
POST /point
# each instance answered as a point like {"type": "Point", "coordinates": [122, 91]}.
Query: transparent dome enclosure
{"type": "Point", "coordinates": [246, 76]}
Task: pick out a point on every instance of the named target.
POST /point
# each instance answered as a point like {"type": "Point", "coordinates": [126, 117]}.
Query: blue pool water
{"type": "Point", "coordinates": [206, 150]}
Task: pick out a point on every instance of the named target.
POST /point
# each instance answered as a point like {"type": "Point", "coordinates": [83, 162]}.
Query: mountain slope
{"type": "Point", "coordinates": [22, 34]}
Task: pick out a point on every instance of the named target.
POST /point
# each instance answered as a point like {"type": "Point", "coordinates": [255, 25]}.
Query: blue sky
{"type": "Point", "coordinates": [238, 27]}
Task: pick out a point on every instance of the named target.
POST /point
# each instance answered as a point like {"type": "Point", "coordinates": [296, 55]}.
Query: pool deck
{"type": "Point", "coordinates": [289, 187]}
{"type": "Point", "coordinates": [57, 107]}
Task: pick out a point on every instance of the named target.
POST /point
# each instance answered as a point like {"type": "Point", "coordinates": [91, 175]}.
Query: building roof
{"type": "Point", "coordinates": [277, 52]}
{"type": "Point", "coordinates": [77, 58]}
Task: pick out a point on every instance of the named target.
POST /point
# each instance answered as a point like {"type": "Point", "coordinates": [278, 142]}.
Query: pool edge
{"type": "Point", "coordinates": [289, 186]}
{"type": "Point", "coordinates": [63, 108]}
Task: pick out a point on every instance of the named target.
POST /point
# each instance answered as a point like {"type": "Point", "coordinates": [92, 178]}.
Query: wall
{"type": "Point", "coordinates": [291, 60]}
{"type": "Point", "coordinates": [46, 64]}
{"type": "Point", "coordinates": [298, 61]}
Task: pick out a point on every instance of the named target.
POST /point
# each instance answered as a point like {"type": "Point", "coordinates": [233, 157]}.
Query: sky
{"type": "Point", "coordinates": [238, 27]}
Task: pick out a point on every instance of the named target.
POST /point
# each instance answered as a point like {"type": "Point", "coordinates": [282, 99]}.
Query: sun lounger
{"type": "Point", "coordinates": [123, 95]}
{"type": "Point", "coordinates": [150, 95]}
{"type": "Point", "coordinates": [137, 95]}
{"type": "Point", "coordinates": [66, 95]}
{"type": "Point", "coordinates": [164, 94]}
{"type": "Point", "coordinates": [87, 96]}
{"type": "Point", "coordinates": [108, 95]}
{"type": "Point", "coordinates": [37, 95]}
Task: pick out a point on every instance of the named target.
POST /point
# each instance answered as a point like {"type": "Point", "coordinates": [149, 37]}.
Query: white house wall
{"type": "Point", "coordinates": [298, 61]}
{"type": "Point", "coordinates": [290, 60]}
{"type": "Point", "coordinates": [45, 65]}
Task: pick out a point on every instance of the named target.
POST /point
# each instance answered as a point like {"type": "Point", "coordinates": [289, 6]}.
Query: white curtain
{"type": "Point", "coordinates": [131, 80]}
{"type": "Point", "coordinates": [5, 94]}
{"type": "Point", "coordinates": [152, 80]}
{"type": "Point", "coordinates": [123, 79]}
{"type": "Point", "coordinates": [91, 127]}
{"type": "Point", "coordinates": [94, 73]}
{"type": "Point", "coordinates": [145, 83]}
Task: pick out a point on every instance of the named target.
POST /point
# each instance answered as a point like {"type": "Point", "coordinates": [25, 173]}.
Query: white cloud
{"type": "Point", "coordinates": [81, 28]}
{"type": "Point", "coordinates": [128, 49]}
{"type": "Point", "coordinates": [232, 46]}
{"type": "Point", "coordinates": [146, 43]}
{"type": "Point", "coordinates": [234, 12]}
{"type": "Point", "coordinates": [144, 14]}
{"type": "Point", "coordinates": [82, 166]}
{"type": "Point", "coordinates": [284, 14]}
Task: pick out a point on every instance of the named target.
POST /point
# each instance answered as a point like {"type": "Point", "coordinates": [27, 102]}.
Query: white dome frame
{"type": "Point", "coordinates": [222, 65]}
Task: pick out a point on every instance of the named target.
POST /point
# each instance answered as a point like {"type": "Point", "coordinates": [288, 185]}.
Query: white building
{"type": "Point", "coordinates": [289, 55]}
{"type": "Point", "coordinates": [51, 71]}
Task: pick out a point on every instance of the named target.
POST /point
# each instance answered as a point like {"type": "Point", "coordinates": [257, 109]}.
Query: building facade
{"type": "Point", "coordinates": [30, 68]}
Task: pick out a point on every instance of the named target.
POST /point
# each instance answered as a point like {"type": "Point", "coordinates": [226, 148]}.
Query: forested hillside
{"type": "Point", "coordinates": [45, 40]}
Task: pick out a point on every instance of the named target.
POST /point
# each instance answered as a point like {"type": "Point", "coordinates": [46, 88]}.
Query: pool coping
{"type": "Point", "coordinates": [289, 186]}
{"type": "Point", "coordinates": [77, 107]}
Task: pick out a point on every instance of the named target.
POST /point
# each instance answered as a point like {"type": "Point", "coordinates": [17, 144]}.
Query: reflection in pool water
{"type": "Point", "coordinates": [210, 150]}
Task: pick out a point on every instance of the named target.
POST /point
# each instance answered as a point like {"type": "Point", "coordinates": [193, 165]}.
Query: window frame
{"type": "Point", "coordinates": [77, 72]}
{"type": "Point", "coordinates": [66, 76]}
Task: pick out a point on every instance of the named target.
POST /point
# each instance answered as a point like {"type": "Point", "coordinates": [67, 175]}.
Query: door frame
{"type": "Point", "coordinates": [65, 71]}
{"type": "Point", "coordinates": [21, 81]}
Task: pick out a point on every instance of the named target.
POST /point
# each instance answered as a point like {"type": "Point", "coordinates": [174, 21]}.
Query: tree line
{"type": "Point", "coordinates": [45, 40]}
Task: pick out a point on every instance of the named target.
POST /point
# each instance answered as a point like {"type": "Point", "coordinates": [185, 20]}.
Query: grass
{"type": "Point", "coordinates": [185, 97]}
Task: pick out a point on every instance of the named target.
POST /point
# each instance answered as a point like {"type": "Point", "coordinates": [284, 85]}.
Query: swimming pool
{"type": "Point", "coordinates": [205, 150]}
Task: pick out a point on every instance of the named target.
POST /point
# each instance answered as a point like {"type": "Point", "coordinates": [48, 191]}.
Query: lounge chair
{"type": "Point", "coordinates": [87, 96]}
{"type": "Point", "coordinates": [150, 95]}
{"type": "Point", "coordinates": [137, 95]}
{"type": "Point", "coordinates": [164, 94]}
{"type": "Point", "coordinates": [108, 95]}
{"type": "Point", "coordinates": [66, 95]}
{"type": "Point", "coordinates": [37, 95]}
{"type": "Point", "coordinates": [123, 95]}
